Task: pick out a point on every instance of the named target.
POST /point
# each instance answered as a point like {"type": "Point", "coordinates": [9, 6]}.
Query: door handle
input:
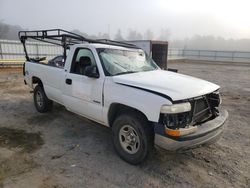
{"type": "Point", "coordinates": [68, 81]}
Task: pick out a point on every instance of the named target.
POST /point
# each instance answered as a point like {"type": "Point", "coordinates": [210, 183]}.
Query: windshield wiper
{"type": "Point", "coordinates": [128, 72]}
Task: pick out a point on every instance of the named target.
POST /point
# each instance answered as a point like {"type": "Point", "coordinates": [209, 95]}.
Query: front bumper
{"type": "Point", "coordinates": [207, 133]}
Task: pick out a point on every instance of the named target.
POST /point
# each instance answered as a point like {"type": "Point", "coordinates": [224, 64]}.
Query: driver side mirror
{"type": "Point", "coordinates": [91, 71]}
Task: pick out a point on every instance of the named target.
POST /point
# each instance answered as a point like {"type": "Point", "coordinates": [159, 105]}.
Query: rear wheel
{"type": "Point", "coordinates": [42, 103]}
{"type": "Point", "coordinates": [132, 137]}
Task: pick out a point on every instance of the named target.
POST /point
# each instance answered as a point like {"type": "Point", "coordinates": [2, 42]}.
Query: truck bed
{"type": "Point", "coordinates": [49, 75]}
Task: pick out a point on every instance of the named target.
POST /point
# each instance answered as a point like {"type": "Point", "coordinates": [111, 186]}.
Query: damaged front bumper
{"type": "Point", "coordinates": [206, 133]}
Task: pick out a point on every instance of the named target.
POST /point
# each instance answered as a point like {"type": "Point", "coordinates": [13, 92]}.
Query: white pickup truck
{"type": "Point", "coordinates": [118, 85]}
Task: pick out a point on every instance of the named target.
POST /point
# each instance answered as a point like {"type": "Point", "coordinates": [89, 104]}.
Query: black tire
{"type": "Point", "coordinates": [144, 132]}
{"type": "Point", "coordinates": [44, 104]}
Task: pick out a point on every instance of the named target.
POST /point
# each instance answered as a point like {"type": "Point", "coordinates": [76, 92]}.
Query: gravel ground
{"type": "Point", "coordinates": [61, 149]}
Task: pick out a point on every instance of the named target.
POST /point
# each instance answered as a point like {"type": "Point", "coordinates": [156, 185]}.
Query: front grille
{"type": "Point", "coordinates": [203, 108]}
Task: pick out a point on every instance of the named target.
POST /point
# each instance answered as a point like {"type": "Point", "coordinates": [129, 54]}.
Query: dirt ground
{"type": "Point", "coordinates": [61, 149]}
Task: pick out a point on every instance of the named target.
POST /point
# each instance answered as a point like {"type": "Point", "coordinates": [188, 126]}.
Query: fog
{"type": "Point", "coordinates": [175, 21]}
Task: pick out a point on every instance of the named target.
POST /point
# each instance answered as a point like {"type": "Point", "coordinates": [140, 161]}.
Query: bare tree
{"type": "Point", "coordinates": [4, 28]}
{"type": "Point", "coordinates": [99, 36]}
{"type": "Point", "coordinates": [165, 34]}
{"type": "Point", "coordinates": [149, 35]}
{"type": "Point", "coordinates": [103, 35]}
{"type": "Point", "coordinates": [210, 42]}
{"type": "Point", "coordinates": [118, 35]}
{"type": "Point", "coordinates": [80, 33]}
{"type": "Point", "coordinates": [134, 35]}
{"type": "Point", "coordinates": [9, 32]}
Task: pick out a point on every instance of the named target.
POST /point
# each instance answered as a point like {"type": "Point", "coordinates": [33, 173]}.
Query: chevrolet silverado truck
{"type": "Point", "coordinates": [119, 86]}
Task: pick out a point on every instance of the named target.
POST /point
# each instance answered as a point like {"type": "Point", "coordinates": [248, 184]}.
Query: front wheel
{"type": "Point", "coordinates": [132, 137]}
{"type": "Point", "coordinates": [42, 103]}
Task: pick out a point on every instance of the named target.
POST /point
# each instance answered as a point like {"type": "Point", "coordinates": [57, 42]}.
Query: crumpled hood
{"type": "Point", "coordinates": [174, 85]}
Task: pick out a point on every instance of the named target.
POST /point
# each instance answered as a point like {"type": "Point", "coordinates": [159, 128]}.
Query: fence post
{"type": "Point", "coordinates": [215, 54]}
{"type": "Point", "coordinates": [199, 54]}
{"type": "Point", "coordinates": [37, 51]}
{"type": "Point", "coordinates": [233, 56]}
{"type": "Point", "coordinates": [1, 52]}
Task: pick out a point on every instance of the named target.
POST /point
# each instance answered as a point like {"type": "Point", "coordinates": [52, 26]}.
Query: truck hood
{"type": "Point", "coordinates": [170, 84]}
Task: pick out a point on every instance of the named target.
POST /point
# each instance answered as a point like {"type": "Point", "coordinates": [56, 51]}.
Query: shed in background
{"type": "Point", "coordinates": [158, 50]}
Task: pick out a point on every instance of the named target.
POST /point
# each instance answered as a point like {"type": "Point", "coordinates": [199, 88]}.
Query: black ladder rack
{"type": "Point", "coordinates": [64, 38]}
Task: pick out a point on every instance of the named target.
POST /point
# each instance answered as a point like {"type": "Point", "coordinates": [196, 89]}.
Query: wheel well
{"type": "Point", "coordinates": [36, 80]}
{"type": "Point", "coordinates": [117, 109]}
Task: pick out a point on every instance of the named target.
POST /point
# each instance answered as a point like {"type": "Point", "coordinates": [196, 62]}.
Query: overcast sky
{"type": "Point", "coordinates": [184, 18]}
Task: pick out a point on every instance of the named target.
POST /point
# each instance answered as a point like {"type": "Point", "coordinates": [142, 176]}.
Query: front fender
{"type": "Point", "coordinates": [146, 102]}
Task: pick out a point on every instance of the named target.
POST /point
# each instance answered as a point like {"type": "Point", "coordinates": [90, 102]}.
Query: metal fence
{"type": "Point", "coordinates": [210, 55]}
{"type": "Point", "coordinates": [10, 49]}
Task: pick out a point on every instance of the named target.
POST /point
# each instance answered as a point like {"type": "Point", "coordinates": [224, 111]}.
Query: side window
{"type": "Point", "coordinates": [82, 58]}
{"type": "Point", "coordinates": [60, 58]}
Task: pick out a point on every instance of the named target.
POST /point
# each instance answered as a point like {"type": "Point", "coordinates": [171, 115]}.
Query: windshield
{"type": "Point", "coordinates": [116, 62]}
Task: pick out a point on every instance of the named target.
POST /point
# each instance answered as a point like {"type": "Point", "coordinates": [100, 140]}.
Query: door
{"type": "Point", "coordinates": [82, 94]}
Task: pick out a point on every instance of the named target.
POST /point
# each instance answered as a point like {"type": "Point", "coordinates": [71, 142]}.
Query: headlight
{"type": "Point", "coordinates": [176, 108]}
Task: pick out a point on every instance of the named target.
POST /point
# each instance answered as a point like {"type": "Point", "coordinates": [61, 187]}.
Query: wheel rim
{"type": "Point", "coordinates": [39, 99]}
{"type": "Point", "coordinates": [129, 139]}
